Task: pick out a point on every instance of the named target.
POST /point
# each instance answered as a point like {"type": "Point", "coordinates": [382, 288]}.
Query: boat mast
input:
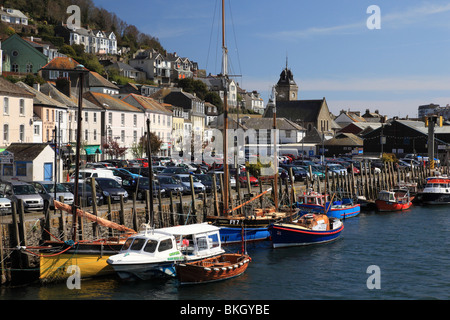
{"type": "Point", "coordinates": [150, 173]}
{"type": "Point", "coordinates": [225, 114]}
{"type": "Point", "coordinates": [275, 159]}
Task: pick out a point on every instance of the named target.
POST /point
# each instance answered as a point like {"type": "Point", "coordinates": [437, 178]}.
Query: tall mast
{"type": "Point", "coordinates": [225, 114]}
{"type": "Point", "coordinates": [275, 158]}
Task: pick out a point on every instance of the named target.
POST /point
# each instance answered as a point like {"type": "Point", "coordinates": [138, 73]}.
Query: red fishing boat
{"type": "Point", "coordinates": [396, 200]}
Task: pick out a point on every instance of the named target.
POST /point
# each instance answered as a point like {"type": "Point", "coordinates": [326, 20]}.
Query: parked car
{"type": "Point", "coordinates": [140, 187]}
{"type": "Point", "coordinates": [143, 162]}
{"type": "Point", "coordinates": [99, 165]}
{"type": "Point", "coordinates": [169, 184]}
{"type": "Point", "coordinates": [207, 181]}
{"type": "Point", "coordinates": [299, 173]}
{"type": "Point", "coordinates": [243, 180]}
{"type": "Point", "coordinates": [5, 205]}
{"type": "Point", "coordinates": [185, 181]}
{"type": "Point", "coordinates": [124, 173]}
{"type": "Point", "coordinates": [95, 173]}
{"type": "Point", "coordinates": [110, 188]}
{"type": "Point", "coordinates": [85, 193]}
{"type": "Point", "coordinates": [139, 170]}
{"type": "Point", "coordinates": [47, 191]}
{"type": "Point", "coordinates": [174, 170]}
{"type": "Point", "coordinates": [18, 190]}
{"type": "Point", "coordinates": [231, 178]}
{"type": "Point", "coordinates": [336, 168]}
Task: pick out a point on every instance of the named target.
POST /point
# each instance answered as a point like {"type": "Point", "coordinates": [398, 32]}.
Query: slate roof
{"type": "Point", "coordinates": [344, 139]}
{"type": "Point", "coordinates": [41, 98]}
{"type": "Point", "coordinates": [267, 123]}
{"type": "Point", "coordinates": [297, 110]}
{"type": "Point", "coordinates": [10, 89]}
{"type": "Point", "coordinates": [96, 80]}
{"type": "Point", "coordinates": [108, 102]}
{"type": "Point", "coordinates": [26, 151]}
{"type": "Point", "coordinates": [145, 103]}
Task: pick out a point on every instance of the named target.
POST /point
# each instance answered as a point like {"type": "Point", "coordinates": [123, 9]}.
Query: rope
{"type": "Point", "coordinates": [50, 255]}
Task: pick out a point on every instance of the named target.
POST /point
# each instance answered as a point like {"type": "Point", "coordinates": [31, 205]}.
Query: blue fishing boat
{"type": "Point", "coordinates": [309, 229]}
{"type": "Point", "coordinates": [314, 202]}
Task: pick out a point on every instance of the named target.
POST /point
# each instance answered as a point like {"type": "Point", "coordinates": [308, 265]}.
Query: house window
{"type": "Point", "coordinates": [15, 67]}
{"type": "Point", "coordinates": [122, 119]}
{"type": "Point", "coordinates": [86, 135]}
{"type": "Point", "coordinates": [5, 132]}
{"type": "Point", "coordinates": [288, 133]}
{"type": "Point", "coordinates": [95, 134]}
{"type": "Point", "coordinates": [122, 136]}
{"type": "Point", "coordinates": [21, 168]}
{"type": "Point", "coordinates": [6, 105]}
{"type": "Point", "coordinates": [53, 115]}
{"type": "Point", "coordinates": [134, 120]}
{"type": "Point", "coordinates": [110, 118]}
{"type": "Point", "coordinates": [86, 117]}
{"type": "Point", "coordinates": [36, 130]}
{"type": "Point", "coordinates": [22, 133]}
{"type": "Point", "coordinates": [22, 107]}
{"type": "Point", "coordinates": [8, 170]}
{"type": "Point", "coordinates": [47, 114]}
{"type": "Point", "coordinates": [135, 136]}
{"type": "Point", "coordinates": [95, 117]}
{"type": "Point", "coordinates": [29, 68]}
{"type": "Point", "coordinates": [48, 135]}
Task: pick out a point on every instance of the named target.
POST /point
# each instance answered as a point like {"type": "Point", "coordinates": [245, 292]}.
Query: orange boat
{"type": "Point", "coordinates": [225, 266]}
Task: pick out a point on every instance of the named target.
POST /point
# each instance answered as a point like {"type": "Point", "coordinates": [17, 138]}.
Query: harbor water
{"type": "Point", "coordinates": [379, 256]}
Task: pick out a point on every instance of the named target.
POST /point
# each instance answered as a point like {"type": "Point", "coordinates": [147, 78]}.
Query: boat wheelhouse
{"type": "Point", "coordinates": [152, 253]}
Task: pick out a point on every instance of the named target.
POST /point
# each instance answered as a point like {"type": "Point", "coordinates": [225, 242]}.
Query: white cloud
{"type": "Point", "coordinates": [394, 19]}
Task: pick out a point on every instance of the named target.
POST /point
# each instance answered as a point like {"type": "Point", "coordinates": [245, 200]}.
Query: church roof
{"type": "Point", "coordinates": [297, 110]}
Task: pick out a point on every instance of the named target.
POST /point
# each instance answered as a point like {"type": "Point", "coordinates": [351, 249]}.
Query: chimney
{"type": "Point", "coordinates": [63, 85]}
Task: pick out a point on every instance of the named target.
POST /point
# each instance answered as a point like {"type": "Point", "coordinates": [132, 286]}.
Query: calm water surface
{"type": "Point", "coordinates": [411, 248]}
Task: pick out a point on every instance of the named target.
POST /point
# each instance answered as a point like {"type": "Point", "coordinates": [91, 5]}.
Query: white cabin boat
{"type": "Point", "coordinates": [152, 253]}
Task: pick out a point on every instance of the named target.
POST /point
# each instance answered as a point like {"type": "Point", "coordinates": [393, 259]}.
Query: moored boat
{"type": "Point", "coordinates": [436, 191]}
{"type": "Point", "coordinates": [59, 259]}
{"type": "Point", "coordinates": [152, 253]}
{"type": "Point", "coordinates": [309, 229]}
{"type": "Point", "coordinates": [315, 202]}
{"type": "Point", "coordinates": [396, 200]}
{"type": "Point", "coordinates": [223, 267]}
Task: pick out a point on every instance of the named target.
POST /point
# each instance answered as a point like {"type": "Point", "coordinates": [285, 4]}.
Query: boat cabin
{"type": "Point", "coordinates": [175, 242]}
{"type": "Point", "coordinates": [313, 198]}
{"type": "Point", "coordinates": [394, 196]}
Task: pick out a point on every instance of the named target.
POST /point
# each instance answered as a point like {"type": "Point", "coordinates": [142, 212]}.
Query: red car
{"type": "Point", "coordinates": [143, 162]}
{"type": "Point", "coordinates": [243, 180]}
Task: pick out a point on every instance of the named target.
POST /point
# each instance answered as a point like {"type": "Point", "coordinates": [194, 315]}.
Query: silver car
{"type": "Point", "coordinates": [19, 190]}
{"type": "Point", "coordinates": [47, 191]}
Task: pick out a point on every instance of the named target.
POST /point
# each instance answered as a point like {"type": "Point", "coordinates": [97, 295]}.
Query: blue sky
{"type": "Point", "coordinates": [330, 50]}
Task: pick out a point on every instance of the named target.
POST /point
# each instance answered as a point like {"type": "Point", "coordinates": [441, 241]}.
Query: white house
{"type": "Point", "coordinates": [32, 162]}
{"type": "Point", "coordinates": [13, 16]}
{"type": "Point", "coordinates": [123, 122]}
{"type": "Point", "coordinates": [160, 119]}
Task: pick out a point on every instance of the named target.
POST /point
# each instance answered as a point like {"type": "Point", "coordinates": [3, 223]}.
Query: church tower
{"type": "Point", "coordinates": [287, 89]}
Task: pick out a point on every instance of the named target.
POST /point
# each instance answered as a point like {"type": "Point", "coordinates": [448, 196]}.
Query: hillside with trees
{"type": "Point", "coordinates": [46, 14]}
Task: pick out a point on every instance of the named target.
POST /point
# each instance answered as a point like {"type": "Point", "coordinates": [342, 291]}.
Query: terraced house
{"type": "Point", "coordinates": [94, 41]}
{"type": "Point", "coordinates": [121, 122]}
{"type": "Point", "coordinates": [16, 114]}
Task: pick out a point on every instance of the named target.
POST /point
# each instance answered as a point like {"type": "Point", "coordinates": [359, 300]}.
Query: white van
{"type": "Point", "coordinates": [94, 173]}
